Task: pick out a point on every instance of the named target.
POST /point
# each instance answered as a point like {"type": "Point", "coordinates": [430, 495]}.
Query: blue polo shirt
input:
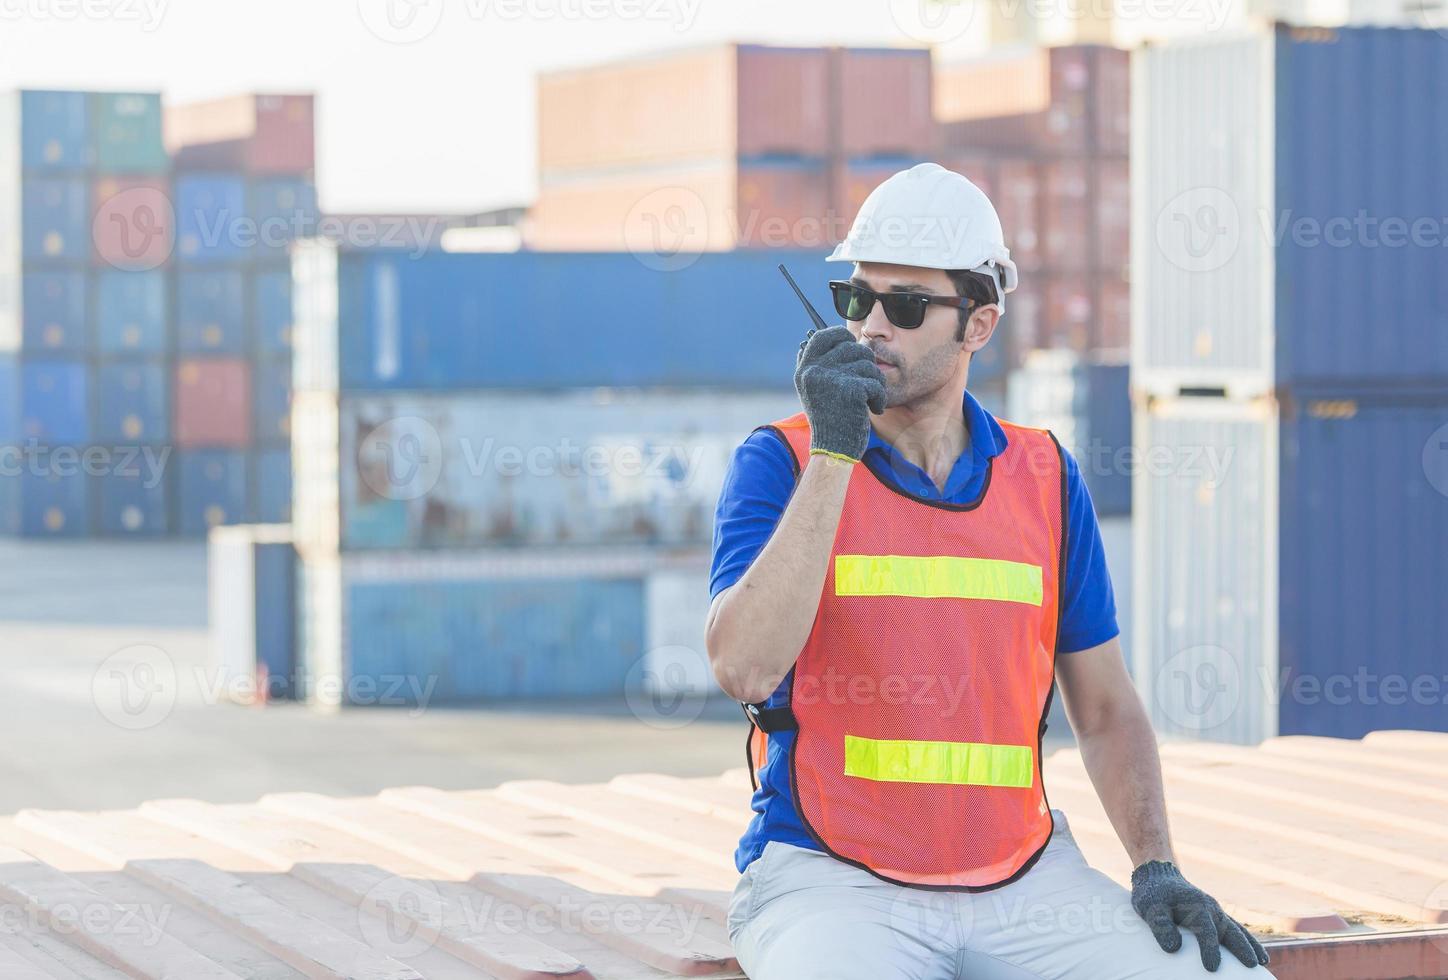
{"type": "Point", "coordinates": [756, 491]}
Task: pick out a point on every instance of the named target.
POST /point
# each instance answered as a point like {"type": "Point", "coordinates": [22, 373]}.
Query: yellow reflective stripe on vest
{"type": "Point", "coordinates": [959, 763]}
{"type": "Point", "coordinates": [940, 577]}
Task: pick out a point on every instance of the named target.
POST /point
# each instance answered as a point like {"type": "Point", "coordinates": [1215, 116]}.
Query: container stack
{"type": "Point", "coordinates": [85, 230]}
{"type": "Point", "coordinates": [1044, 132]}
{"type": "Point", "coordinates": [1292, 373]}
{"type": "Point", "coordinates": [244, 191]}
{"type": "Point", "coordinates": [727, 146]}
{"type": "Point", "coordinates": [502, 481]}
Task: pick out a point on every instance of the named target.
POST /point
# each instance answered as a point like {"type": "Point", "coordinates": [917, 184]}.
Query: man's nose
{"type": "Point", "coordinates": [877, 324]}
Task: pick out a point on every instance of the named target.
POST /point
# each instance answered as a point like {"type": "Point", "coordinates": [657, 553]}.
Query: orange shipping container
{"type": "Point", "coordinates": [884, 101]}
{"type": "Point", "coordinates": [1018, 200]}
{"type": "Point", "coordinates": [783, 101]}
{"type": "Point", "coordinates": [784, 206]}
{"type": "Point", "coordinates": [1066, 214]}
{"type": "Point", "coordinates": [213, 403]}
{"type": "Point", "coordinates": [1010, 84]}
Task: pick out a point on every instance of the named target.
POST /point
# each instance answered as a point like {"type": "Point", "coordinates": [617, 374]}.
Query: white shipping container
{"type": "Point", "coordinates": [478, 469]}
{"type": "Point", "coordinates": [1205, 568]}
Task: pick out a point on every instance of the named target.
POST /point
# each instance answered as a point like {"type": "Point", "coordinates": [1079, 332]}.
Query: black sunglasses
{"type": "Point", "coordinates": [905, 310]}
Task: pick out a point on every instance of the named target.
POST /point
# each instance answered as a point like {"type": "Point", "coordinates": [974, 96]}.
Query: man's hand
{"type": "Point", "coordinates": [839, 385]}
{"type": "Point", "coordinates": [1166, 900]}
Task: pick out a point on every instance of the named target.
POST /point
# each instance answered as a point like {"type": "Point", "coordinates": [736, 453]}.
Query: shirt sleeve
{"type": "Point", "coordinates": [757, 487]}
{"type": "Point", "coordinates": [1088, 608]}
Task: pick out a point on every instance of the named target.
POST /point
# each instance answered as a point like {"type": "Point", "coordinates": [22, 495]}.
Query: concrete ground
{"type": "Point", "coordinates": [107, 702]}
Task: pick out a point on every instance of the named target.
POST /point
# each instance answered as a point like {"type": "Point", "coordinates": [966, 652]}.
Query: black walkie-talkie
{"type": "Point", "coordinates": [819, 322]}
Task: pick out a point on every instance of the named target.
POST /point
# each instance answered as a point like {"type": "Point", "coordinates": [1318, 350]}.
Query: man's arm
{"type": "Point", "coordinates": [1118, 747]}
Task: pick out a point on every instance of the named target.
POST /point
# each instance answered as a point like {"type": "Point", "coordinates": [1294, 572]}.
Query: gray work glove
{"type": "Point", "coordinates": [1166, 900]}
{"type": "Point", "coordinates": [839, 385]}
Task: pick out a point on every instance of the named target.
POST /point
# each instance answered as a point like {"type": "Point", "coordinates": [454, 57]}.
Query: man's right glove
{"type": "Point", "coordinates": [1166, 900]}
{"type": "Point", "coordinates": [839, 385]}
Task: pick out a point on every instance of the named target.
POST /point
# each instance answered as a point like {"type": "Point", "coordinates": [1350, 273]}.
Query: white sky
{"type": "Point", "coordinates": [445, 122]}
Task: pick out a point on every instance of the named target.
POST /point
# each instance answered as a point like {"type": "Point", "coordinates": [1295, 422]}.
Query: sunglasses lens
{"type": "Point", "coordinates": [851, 302]}
{"type": "Point", "coordinates": [904, 310]}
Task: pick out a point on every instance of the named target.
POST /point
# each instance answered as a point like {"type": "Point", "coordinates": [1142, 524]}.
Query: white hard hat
{"type": "Point", "coordinates": [933, 218]}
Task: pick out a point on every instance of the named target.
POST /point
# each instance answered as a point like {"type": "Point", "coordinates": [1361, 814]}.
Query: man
{"type": "Point", "coordinates": [898, 580]}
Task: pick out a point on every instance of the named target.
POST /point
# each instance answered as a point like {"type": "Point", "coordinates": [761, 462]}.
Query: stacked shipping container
{"type": "Point", "coordinates": [85, 227]}
{"type": "Point", "coordinates": [454, 410]}
{"type": "Point", "coordinates": [244, 190]}
{"type": "Point", "coordinates": [1045, 133]}
{"type": "Point", "coordinates": [1293, 360]}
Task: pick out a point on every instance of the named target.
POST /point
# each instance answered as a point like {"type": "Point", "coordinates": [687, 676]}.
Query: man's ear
{"type": "Point", "coordinates": [980, 327]}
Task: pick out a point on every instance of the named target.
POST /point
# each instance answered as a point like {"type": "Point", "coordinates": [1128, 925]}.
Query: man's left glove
{"type": "Point", "coordinates": [1166, 900]}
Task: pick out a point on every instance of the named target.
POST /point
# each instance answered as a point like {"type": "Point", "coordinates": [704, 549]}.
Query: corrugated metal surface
{"type": "Point", "coordinates": [419, 882]}
{"type": "Point", "coordinates": [210, 489]}
{"type": "Point", "coordinates": [211, 311]}
{"type": "Point", "coordinates": [1363, 569]}
{"type": "Point", "coordinates": [885, 101]}
{"type": "Point", "coordinates": [1379, 256]}
{"type": "Point", "coordinates": [252, 587]}
{"type": "Point", "coordinates": [133, 497]}
{"type": "Point", "coordinates": [579, 468]}
{"type": "Point", "coordinates": [127, 132]}
{"type": "Point", "coordinates": [56, 218]}
{"type": "Point", "coordinates": [1202, 163]}
{"type": "Point", "coordinates": [213, 403]}
{"type": "Point", "coordinates": [211, 211]}
{"type": "Point", "coordinates": [783, 100]}
{"type": "Point", "coordinates": [55, 402]}
{"type": "Point", "coordinates": [133, 224]}
{"type": "Point", "coordinates": [259, 134]}
{"type": "Point", "coordinates": [131, 312]}
{"type": "Point", "coordinates": [54, 312]}
{"type": "Point", "coordinates": [1206, 567]}
{"type": "Point", "coordinates": [468, 626]}
{"type": "Point", "coordinates": [133, 403]}
{"type": "Point", "coordinates": [55, 130]}
{"type": "Point", "coordinates": [435, 322]}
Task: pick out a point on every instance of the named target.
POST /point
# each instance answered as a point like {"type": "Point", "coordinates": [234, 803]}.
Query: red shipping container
{"type": "Point", "coordinates": [884, 106]}
{"type": "Point", "coordinates": [1113, 215]}
{"type": "Point", "coordinates": [213, 403]}
{"type": "Point", "coordinates": [1022, 320]}
{"type": "Point", "coordinates": [784, 101]}
{"type": "Point", "coordinates": [258, 134]}
{"type": "Point", "coordinates": [1113, 102]}
{"type": "Point", "coordinates": [1018, 202]}
{"type": "Point", "coordinates": [783, 205]}
{"type": "Point", "coordinates": [1113, 314]}
{"type": "Point", "coordinates": [1073, 94]}
{"type": "Point", "coordinates": [980, 170]}
{"type": "Point", "coordinates": [1066, 215]}
{"type": "Point", "coordinates": [1070, 312]}
{"type": "Point", "coordinates": [133, 224]}
{"type": "Point", "coordinates": [1023, 133]}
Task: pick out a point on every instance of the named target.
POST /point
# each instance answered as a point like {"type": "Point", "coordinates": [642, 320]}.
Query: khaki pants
{"type": "Point", "coordinates": [798, 914]}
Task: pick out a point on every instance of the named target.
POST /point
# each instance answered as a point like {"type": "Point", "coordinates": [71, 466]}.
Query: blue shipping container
{"type": "Point", "coordinates": [52, 503]}
{"type": "Point", "coordinates": [273, 486]}
{"type": "Point", "coordinates": [211, 490]}
{"type": "Point", "coordinates": [55, 402]}
{"type": "Point", "coordinates": [211, 219]}
{"type": "Point", "coordinates": [56, 219]}
{"type": "Point", "coordinates": [445, 640]}
{"type": "Point", "coordinates": [9, 399]}
{"type": "Point", "coordinates": [283, 209]}
{"type": "Point", "coordinates": [130, 311]}
{"type": "Point", "coordinates": [54, 316]}
{"type": "Point", "coordinates": [275, 591]}
{"type": "Point", "coordinates": [271, 306]}
{"type": "Point", "coordinates": [211, 311]}
{"type": "Point", "coordinates": [551, 320]}
{"type": "Point", "coordinates": [272, 400]}
{"type": "Point", "coordinates": [1108, 426]}
{"type": "Point", "coordinates": [134, 496]}
{"type": "Point", "coordinates": [1363, 574]}
{"type": "Point", "coordinates": [55, 131]}
{"type": "Point", "coordinates": [133, 402]}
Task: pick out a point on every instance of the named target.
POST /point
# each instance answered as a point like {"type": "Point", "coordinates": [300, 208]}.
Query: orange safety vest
{"type": "Point", "coordinates": [920, 698]}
